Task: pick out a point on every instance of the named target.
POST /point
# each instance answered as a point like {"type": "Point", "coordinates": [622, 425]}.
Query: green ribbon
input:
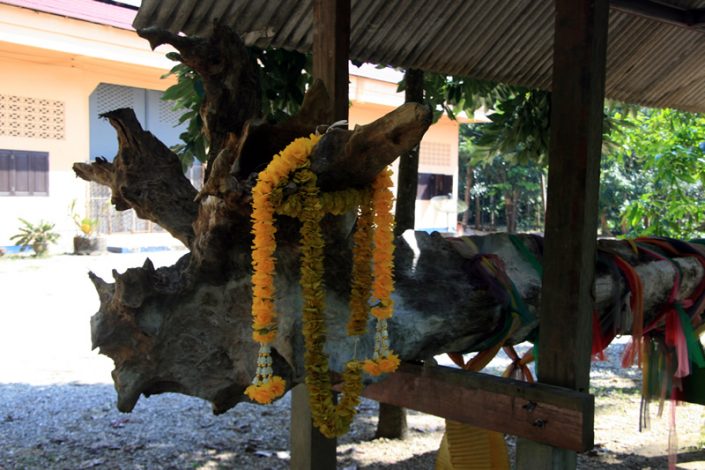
{"type": "Point", "coordinates": [695, 349]}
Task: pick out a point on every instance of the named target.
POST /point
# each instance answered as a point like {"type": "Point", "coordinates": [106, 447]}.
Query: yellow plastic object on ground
{"type": "Point", "coordinates": [466, 447]}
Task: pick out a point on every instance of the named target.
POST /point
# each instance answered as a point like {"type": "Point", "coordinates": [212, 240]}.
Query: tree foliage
{"type": "Point", "coordinates": [652, 172]}
{"type": "Point", "coordinates": [653, 177]}
{"type": "Point", "coordinates": [519, 126]}
{"type": "Point", "coordinates": [452, 94]}
{"type": "Point", "coordinates": [187, 95]}
{"type": "Point", "coordinates": [508, 156]}
{"type": "Point", "coordinates": [652, 167]}
{"type": "Point", "coordinates": [284, 76]}
{"type": "Point", "coordinates": [509, 192]}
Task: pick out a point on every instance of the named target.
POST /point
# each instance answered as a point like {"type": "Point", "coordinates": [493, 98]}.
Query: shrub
{"type": "Point", "coordinates": [36, 236]}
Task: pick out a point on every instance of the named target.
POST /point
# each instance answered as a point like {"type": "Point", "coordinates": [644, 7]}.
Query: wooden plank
{"type": "Point", "coordinates": [549, 414]}
{"type": "Point", "coordinates": [309, 448]}
{"type": "Point", "coordinates": [331, 48]}
{"type": "Point", "coordinates": [565, 337]}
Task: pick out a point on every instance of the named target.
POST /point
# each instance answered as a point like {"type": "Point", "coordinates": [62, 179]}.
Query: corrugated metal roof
{"type": "Point", "coordinates": [87, 10]}
{"type": "Point", "coordinates": [648, 62]}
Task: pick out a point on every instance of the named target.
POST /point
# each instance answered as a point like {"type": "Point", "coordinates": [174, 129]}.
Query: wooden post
{"type": "Point", "coordinates": [310, 450]}
{"type": "Point", "coordinates": [331, 49]}
{"type": "Point", "coordinates": [579, 51]}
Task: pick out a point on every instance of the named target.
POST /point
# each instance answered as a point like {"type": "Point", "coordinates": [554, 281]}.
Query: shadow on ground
{"type": "Point", "coordinates": [77, 426]}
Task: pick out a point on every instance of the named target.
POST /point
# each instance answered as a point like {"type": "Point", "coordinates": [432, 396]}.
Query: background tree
{"type": "Point", "coordinates": [654, 173]}
{"type": "Point", "coordinates": [506, 193]}
{"type": "Point", "coordinates": [508, 155]}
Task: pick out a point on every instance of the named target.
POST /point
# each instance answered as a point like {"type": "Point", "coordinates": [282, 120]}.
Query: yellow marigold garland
{"type": "Point", "coordinates": [310, 206]}
{"type": "Point", "coordinates": [336, 203]}
{"type": "Point", "coordinates": [361, 279]}
{"type": "Point", "coordinates": [331, 419]}
{"type": "Point", "coordinates": [383, 359]}
{"type": "Point", "coordinates": [265, 386]}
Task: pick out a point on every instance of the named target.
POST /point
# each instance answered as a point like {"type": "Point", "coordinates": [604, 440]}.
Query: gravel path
{"type": "Point", "coordinates": [57, 402]}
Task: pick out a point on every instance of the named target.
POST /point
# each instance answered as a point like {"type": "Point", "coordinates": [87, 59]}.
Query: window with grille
{"type": "Point", "coordinates": [25, 116]}
{"type": "Point", "coordinates": [24, 173]}
{"type": "Point", "coordinates": [435, 153]}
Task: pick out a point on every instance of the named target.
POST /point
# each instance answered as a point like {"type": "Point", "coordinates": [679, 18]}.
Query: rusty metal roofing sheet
{"type": "Point", "coordinates": [648, 62]}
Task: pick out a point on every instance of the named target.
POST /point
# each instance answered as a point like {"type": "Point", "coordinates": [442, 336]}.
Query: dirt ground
{"type": "Point", "coordinates": [57, 402]}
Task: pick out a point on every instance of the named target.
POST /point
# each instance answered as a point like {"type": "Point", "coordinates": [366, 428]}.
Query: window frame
{"type": "Point", "coordinates": [430, 185]}
{"type": "Point", "coordinates": [36, 168]}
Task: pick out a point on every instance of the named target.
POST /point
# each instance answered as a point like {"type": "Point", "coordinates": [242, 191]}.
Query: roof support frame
{"type": "Point", "coordinates": [689, 18]}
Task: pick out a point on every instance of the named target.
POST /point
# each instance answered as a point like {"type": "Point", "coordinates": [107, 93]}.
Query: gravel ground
{"type": "Point", "coordinates": [57, 402]}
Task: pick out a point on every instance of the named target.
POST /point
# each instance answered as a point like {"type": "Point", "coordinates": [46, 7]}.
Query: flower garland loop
{"type": "Point", "coordinates": [371, 275]}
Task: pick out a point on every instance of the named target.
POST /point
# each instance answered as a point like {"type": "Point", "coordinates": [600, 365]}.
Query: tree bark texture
{"type": "Point", "coordinates": [467, 196]}
{"type": "Point", "coordinates": [478, 212]}
{"type": "Point", "coordinates": [145, 176]}
{"type": "Point", "coordinates": [230, 80]}
{"type": "Point", "coordinates": [186, 328]}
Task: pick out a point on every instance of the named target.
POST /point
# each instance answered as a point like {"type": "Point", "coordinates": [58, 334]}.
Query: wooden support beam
{"type": "Point", "coordinates": [549, 414]}
{"type": "Point", "coordinates": [697, 18]}
{"type": "Point", "coordinates": [573, 184]}
{"type": "Point", "coordinates": [331, 49]}
{"type": "Point", "coordinates": [310, 450]}
{"type": "Point", "coordinates": [565, 337]}
{"type": "Point", "coordinates": [671, 14]}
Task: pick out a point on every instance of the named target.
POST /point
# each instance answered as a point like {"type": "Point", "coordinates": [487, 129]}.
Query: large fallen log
{"type": "Point", "coordinates": [186, 328]}
{"type": "Point", "coordinates": [168, 334]}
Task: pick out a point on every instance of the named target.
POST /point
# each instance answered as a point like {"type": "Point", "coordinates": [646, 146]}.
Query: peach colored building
{"type": "Point", "coordinates": [373, 93]}
{"type": "Point", "coordinates": [65, 61]}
